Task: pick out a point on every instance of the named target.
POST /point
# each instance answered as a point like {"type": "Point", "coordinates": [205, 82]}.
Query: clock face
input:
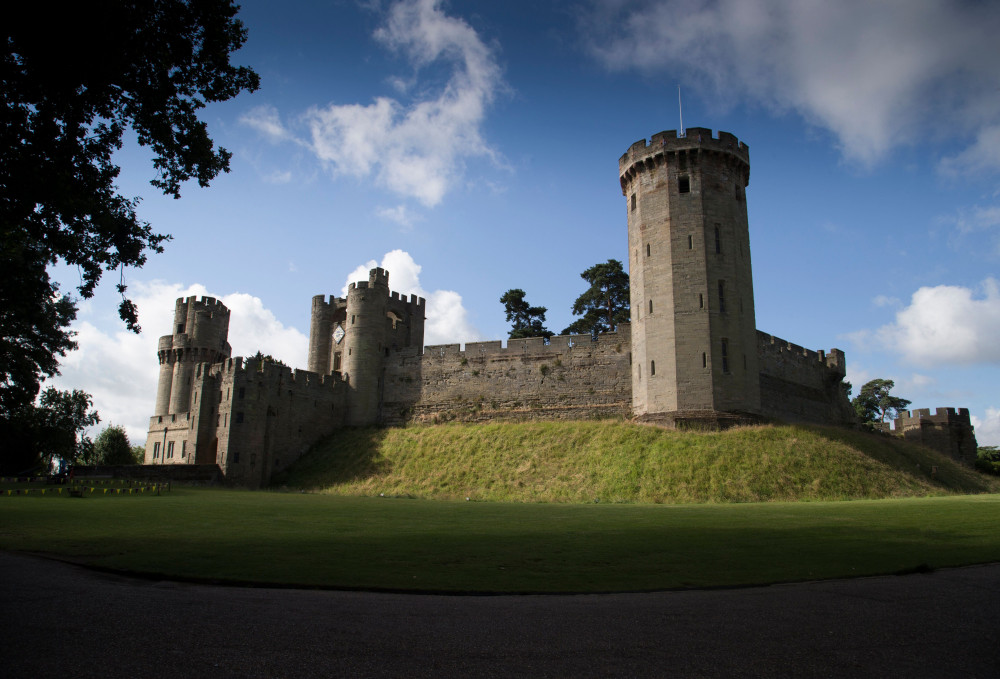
{"type": "Point", "coordinates": [338, 334]}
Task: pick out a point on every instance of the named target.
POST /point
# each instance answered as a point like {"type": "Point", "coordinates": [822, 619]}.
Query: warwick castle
{"type": "Point", "coordinates": [691, 356]}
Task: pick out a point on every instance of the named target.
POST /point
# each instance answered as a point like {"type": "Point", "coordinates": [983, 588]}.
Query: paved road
{"type": "Point", "coordinates": [62, 620]}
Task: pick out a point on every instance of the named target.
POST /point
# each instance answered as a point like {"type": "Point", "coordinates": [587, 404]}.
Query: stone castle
{"type": "Point", "coordinates": [691, 356]}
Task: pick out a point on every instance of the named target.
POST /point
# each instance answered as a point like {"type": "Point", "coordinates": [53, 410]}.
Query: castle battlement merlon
{"type": "Point", "coordinates": [941, 415]}
{"type": "Point", "coordinates": [557, 344]}
{"type": "Point", "coordinates": [834, 359]}
{"type": "Point", "coordinates": [695, 139]}
{"type": "Point", "coordinates": [273, 373]}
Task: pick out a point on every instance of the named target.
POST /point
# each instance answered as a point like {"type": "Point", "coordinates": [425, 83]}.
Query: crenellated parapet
{"type": "Point", "coordinates": [769, 346]}
{"type": "Point", "coordinates": [689, 149]}
{"type": "Point", "coordinates": [948, 431]}
{"type": "Point", "coordinates": [557, 345]}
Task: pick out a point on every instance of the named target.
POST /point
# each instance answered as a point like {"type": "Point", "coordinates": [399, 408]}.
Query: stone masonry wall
{"type": "Point", "coordinates": [270, 415]}
{"type": "Point", "coordinates": [799, 385]}
{"type": "Point", "coordinates": [571, 377]}
{"type": "Point", "coordinates": [948, 431]}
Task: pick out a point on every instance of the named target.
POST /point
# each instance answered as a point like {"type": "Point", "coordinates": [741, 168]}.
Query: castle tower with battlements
{"type": "Point", "coordinates": [694, 338]}
{"type": "Point", "coordinates": [201, 335]}
{"type": "Point", "coordinates": [353, 336]}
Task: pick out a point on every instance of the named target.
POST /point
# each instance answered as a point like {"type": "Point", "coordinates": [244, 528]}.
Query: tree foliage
{"type": "Point", "coordinates": [112, 447]}
{"type": "Point", "coordinates": [874, 403]}
{"type": "Point", "coordinates": [525, 320]}
{"type": "Point", "coordinates": [34, 435]}
{"type": "Point", "coordinates": [263, 358]}
{"type": "Point", "coordinates": [605, 303]}
{"type": "Point", "coordinates": [73, 79]}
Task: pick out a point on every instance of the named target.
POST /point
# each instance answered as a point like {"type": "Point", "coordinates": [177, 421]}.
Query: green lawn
{"type": "Point", "coordinates": [382, 543]}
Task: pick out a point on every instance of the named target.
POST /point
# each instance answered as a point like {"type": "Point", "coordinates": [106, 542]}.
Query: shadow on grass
{"type": "Point", "coordinates": [914, 460]}
{"type": "Point", "coordinates": [345, 456]}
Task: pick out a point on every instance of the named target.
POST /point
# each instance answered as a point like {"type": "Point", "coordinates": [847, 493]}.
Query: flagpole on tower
{"type": "Point", "coordinates": [680, 110]}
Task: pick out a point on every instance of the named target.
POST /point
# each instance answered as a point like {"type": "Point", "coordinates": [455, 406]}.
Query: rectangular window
{"type": "Point", "coordinates": [722, 296]}
{"type": "Point", "coordinates": [156, 450]}
{"type": "Point", "coordinates": [170, 450]}
{"type": "Point", "coordinates": [180, 328]}
{"type": "Point", "coordinates": [704, 360]}
{"type": "Point", "coordinates": [718, 240]}
{"type": "Point", "coordinates": [633, 201]}
{"type": "Point", "coordinates": [184, 445]}
{"type": "Point", "coordinates": [647, 249]}
{"type": "Point", "coordinates": [701, 300]}
{"type": "Point", "coordinates": [236, 457]}
{"type": "Point", "coordinates": [690, 242]}
{"type": "Point", "coordinates": [684, 184]}
{"type": "Point", "coordinates": [725, 355]}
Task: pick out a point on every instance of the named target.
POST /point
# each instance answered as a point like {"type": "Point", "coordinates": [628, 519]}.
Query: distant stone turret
{"type": "Point", "coordinates": [201, 333]}
{"type": "Point", "coordinates": [354, 335]}
{"type": "Point", "coordinates": [694, 338]}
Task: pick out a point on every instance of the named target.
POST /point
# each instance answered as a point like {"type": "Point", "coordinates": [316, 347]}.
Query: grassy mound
{"type": "Point", "coordinates": [623, 462]}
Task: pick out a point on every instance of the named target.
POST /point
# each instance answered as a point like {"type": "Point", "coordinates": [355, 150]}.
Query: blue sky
{"type": "Point", "coordinates": [472, 147]}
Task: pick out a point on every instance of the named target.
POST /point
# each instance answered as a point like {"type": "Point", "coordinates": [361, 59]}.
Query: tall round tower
{"type": "Point", "coordinates": [694, 346]}
{"type": "Point", "coordinates": [201, 332]}
{"type": "Point", "coordinates": [364, 345]}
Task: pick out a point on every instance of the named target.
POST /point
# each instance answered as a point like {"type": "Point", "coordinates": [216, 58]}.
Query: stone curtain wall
{"type": "Point", "coordinates": [799, 385]}
{"type": "Point", "coordinates": [270, 415]}
{"type": "Point", "coordinates": [571, 377]}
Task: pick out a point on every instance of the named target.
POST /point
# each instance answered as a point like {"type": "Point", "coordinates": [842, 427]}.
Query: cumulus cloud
{"type": "Point", "coordinates": [945, 324]}
{"type": "Point", "coordinates": [414, 148]}
{"type": "Point", "coordinates": [447, 318]}
{"type": "Point", "coordinates": [987, 427]}
{"type": "Point", "coordinates": [120, 369]}
{"type": "Point", "coordinates": [876, 74]}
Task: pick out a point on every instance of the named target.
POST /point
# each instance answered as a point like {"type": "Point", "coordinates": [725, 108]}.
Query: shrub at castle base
{"type": "Point", "coordinates": [691, 356]}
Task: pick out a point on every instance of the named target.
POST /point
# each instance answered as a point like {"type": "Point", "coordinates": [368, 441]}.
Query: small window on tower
{"type": "Point", "coordinates": [647, 249]}
{"type": "Point", "coordinates": [684, 184]}
{"type": "Point", "coordinates": [690, 242]}
{"type": "Point", "coordinates": [180, 328]}
{"type": "Point", "coordinates": [650, 306]}
{"type": "Point", "coordinates": [725, 355]}
{"type": "Point", "coordinates": [704, 360]}
{"type": "Point", "coordinates": [701, 300]}
{"type": "Point", "coordinates": [633, 201]}
{"type": "Point", "coordinates": [718, 240]}
{"type": "Point", "coordinates": [652, 368]}
{"type": "Point", "coordinates": [722, 296]}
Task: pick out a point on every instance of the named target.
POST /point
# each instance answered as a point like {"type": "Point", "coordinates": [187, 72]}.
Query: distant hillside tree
{"type": "Point", "coordinates": [112, 447]}
{"type": "Point", "coordinates": [34, 435]}
{"type": "Point", "coordinates": [874, 403]}
{"type": "Point", "coordinates": [263, 358]}
{"type": "Point", "coordinates": [525, 320]}
{"type": "Point", "coordinates": [605, 304]}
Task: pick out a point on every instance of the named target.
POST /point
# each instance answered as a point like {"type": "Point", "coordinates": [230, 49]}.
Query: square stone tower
{"type": "Point", "coordinates": [694, 337]}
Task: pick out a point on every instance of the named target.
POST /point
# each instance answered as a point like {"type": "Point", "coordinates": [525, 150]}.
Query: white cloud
{"type": "Point", "coordinates": [120, 369]}
{"type": "Point", "coordinates": [415, 149]}
{"type": "Point", "coordinates": [265, 119]}
{"type": "Point", "coordinates": [982, 156]}
{"type": "Point", "coordinates": [399, 214]}
{"type": "Point", "coordinates": [945, 324]}
{"type": "Point", "coordinates": [447, 319]}
{"type": "Point", "coordinates": [876, 74]}
{"type": "Point", "coordinates": [988, 427]}
{"type": "Point", "coordinates": [883, 300]}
